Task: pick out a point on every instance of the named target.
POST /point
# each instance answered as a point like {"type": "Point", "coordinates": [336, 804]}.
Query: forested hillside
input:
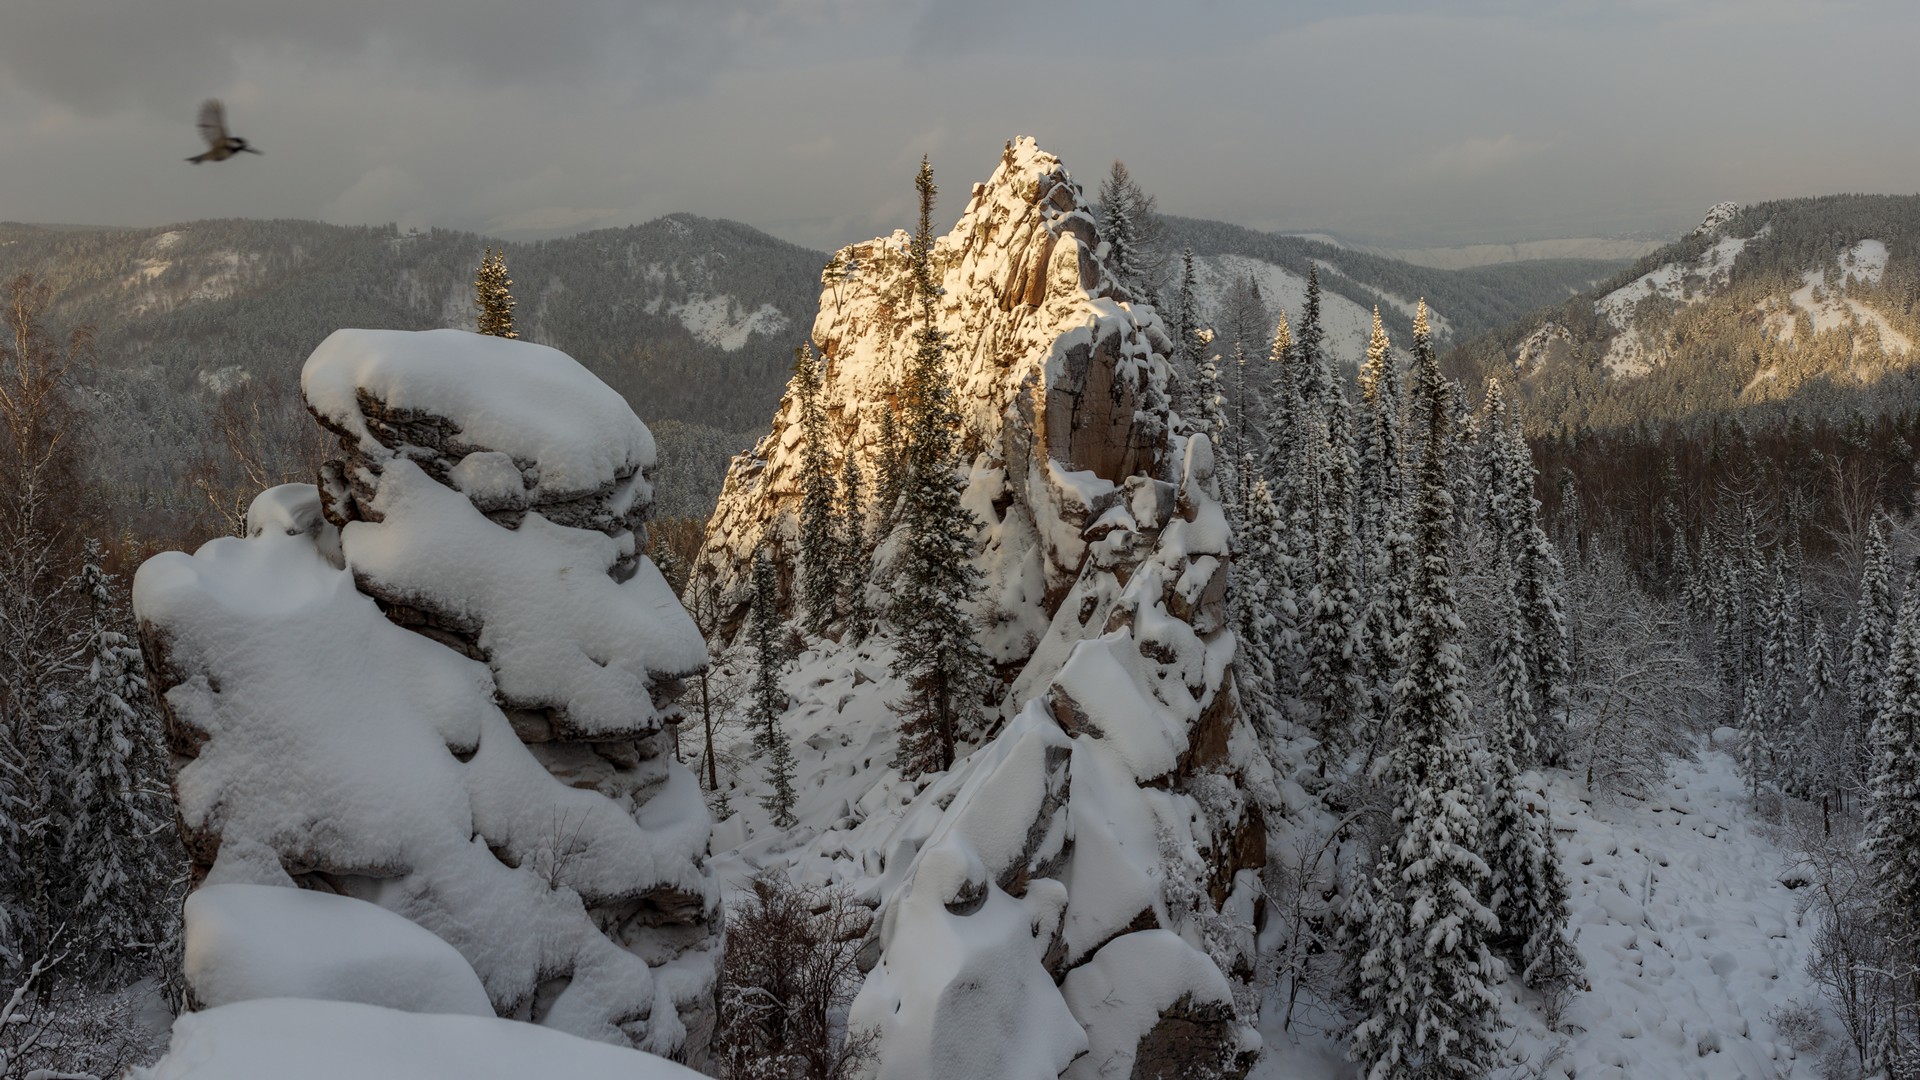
{"type": "Point", "coordinates": [691, 319]}
{"type": "Point", "coordinates": [1801, 306]}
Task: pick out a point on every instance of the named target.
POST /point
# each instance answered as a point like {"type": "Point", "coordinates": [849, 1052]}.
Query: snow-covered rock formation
{"type": "Point", "coordinates": [439, 683]}
{"type": "Point", "coordinates": [1068, 897]}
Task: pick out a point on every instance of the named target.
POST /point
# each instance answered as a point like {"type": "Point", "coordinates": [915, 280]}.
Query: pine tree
{"type": "Point", "coordinates": [1337, 653]}
{"type": "Point", "coordinates": [1386, 558]}
{"type": "Point", "coordinates": [938, 654]}
{"type": "Point", "coordinates": [1528, 889]}
{"type": "Point", "coordinates": [117, 820]}
{"type": "Point", "coordinates": [1425, 975]}
{"type": "Point", "coordinates": [855, 556]}
{"type": "Point", "coordinates": [1261, 615]}
{"type": "Point", "coordinates": [1271, 436]}
{"type": "Point", "coordinates": [1823, 676]}
{"type": "Point", "coordinates": [1778, 681]}
{"type": "Point", "coordinates": [1892, 840]}
{"type": "Point", "coordinates": [1542, 600]}
{"type": "Point", "coordinates": [1873, 628]}
{"type": "Point", "coordinates": [1117, 224]}
{"type": "Point", "coordinates": [892, 464]}
{"type": "Point", "coordinates": [819, 559]}
{"type": "Point", "coordinates": [491, 289]}
{"type": "Point", "coordinates": [1186, 314]}
{"type": "Point", "coordinates": [769, 700]}
{"type": "Point", "coordinates": [1314, 364]}
{"type": "Point", "coordinates": [1211, 417]}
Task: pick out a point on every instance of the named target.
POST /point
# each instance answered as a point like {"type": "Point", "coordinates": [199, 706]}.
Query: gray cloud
{"type": "Point", "coordinates": [1491, 120]}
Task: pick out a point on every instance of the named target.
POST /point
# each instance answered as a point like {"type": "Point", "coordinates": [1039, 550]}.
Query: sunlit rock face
{"type": "Point", "coordinates": [1067, 897]}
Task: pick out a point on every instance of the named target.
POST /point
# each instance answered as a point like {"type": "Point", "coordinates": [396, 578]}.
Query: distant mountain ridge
{"type": "Point", "coordinates": [1810, 305]}
{"type": "Point", "coordinates": [693, 319]}
{"type": "Point", "coordinates": [1467, 302]}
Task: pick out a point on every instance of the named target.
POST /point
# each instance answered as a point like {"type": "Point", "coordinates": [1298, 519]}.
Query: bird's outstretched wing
{"type": "Point", "coordinates": [213, 122]}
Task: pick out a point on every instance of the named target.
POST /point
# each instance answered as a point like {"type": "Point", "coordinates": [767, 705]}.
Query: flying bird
{"type": "Point", "coordinates": [213, 128]}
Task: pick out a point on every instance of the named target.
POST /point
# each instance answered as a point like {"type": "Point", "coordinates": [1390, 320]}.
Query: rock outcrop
{"type": "Point", "coordinates": [1060, 379]}
{"type": "Point", "coordinates": [440, 682]}
{"type": "Point", "coordinates": [1106, 836]}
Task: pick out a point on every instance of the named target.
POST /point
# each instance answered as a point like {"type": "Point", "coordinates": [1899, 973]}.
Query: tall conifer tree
{"type": "Point", "coordinates": [769, 700]}
{"type": "Point", "coordinates": [819, 561]}
{"type": "Point", "coordinates": [938, 653]}
{"type": "Point", "coordinates": [1425, 976]}
{"type": "Point", "coordinates": [1873, 626]}
{"type": "Point", "coordinates": [493, 295]}
{"type": "Point", "coordinates": [854, 555]}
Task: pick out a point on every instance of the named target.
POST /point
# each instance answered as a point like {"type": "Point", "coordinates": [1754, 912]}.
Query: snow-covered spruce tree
{"type": "Point", "coordinates": [937, 651]}
{"type": "Point", "coordinates": [1381, 489]}
{"type": "Point", "coordinates": [492, 293]}
{"type": "Point", "coordinates": [1823, 675]}
{"type": "Point", "coordinates": [819, 555]}
{"type": "Point", "coordinates": [1892, 841]}
{"type": "Point", "coordinates": [1210, 404]}
{"type": "Point", "coordinates": [1131, 228]}
{"type": "Point", "coordinates": [1311, 359]}
{"type": "Point", "coordinates": [1542, 587]}
{"type": "Point", "coordinates": [1779, 684]}
{"type": "Point", "coordinates": [1337, 650]}
{"type": "Point", "coordinates": [118, 823]}
{"type": "Point", "coordinates": [1386, 555]}
{"type": "Point", "coordinates": [1117, 223]}
{"type": "Point", "coordinates": [1270, 397]}
{"type": "Point", "coordinates": [886, 495]}
{"type": "Point", "coordinates": [1528, 889]}
{"type": "Point", "coordinates": [1244, 430]}
{"type": "Point", "coordinates": [769, 700]}
{"type": "Point", "coordinates": [1873, 627]}
{"type": "Point", "coordinates": [1261, 617]}
{"type": "Point", "coordinates": [855, 558]}
{"type": "Point", "coordinates": [1186, 313]}
{"type": "Point", "coordinates": [1424, 973]}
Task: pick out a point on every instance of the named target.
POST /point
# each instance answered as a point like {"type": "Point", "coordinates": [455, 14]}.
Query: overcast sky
{"type": "Point", "coordinates": [1388, 120]}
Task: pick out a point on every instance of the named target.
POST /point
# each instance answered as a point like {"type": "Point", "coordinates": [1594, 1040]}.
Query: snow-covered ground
{"type": "Point", "coordinates": [1690, 940]}
{"type": "Point", "coordinates": [298, 1039]}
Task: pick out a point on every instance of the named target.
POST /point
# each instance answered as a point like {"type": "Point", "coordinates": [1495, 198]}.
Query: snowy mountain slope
{"type": "Point", "coordinates": [1471, 301]}
{"type": "Point", "coordinates": [1802, 303]}
{"type": "Point", "coordinates": [1468, 256]}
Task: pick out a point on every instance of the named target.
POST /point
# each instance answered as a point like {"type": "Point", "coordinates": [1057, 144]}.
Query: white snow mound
{"type": "Point", "coordinates": [528, 401]}
{"type": "Point", "coordinates": [259, 941]}
{"type": "Point", "coordinates": [294, 1039]}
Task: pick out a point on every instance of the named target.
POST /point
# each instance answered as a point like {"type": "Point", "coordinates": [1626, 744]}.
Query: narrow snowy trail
{"type": "Point", "coordinates": [1689, 936]}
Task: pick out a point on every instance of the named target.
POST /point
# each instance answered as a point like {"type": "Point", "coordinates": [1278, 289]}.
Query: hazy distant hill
{"type": "Point", "coordinates": [693, 320]}
{"type": "Point", "coordinates": [1467, 303]}
{"type": "Point", "coordinates": [1802, 304]}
